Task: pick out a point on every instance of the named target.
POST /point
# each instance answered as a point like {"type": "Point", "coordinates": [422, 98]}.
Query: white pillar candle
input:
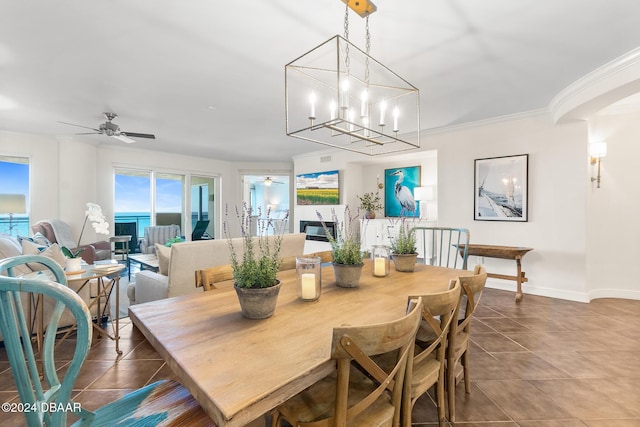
{"type": "Point", "coordinates": [312, 101]}
{"type": "Point", "coordinates": [383, 109]}
{"type": "Point", "coordinates": [379, 267]}
{"type": "Point", "coordinates": [308, 286]}
{"type": "Point", "coordinates": [396, 114]}
{"type": "Point", "coordinates": [332, 110]}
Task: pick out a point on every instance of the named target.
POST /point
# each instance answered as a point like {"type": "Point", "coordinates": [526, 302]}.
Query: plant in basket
{"type": "Point", "coordinates": [255, 262]}
{"type": "Point", "coordinates": [345, 247]}
{"type": "Point", "coordinates": [403, 244]}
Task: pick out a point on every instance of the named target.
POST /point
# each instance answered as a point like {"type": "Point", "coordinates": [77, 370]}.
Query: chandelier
{"type": "Point", "coordinates": [338, 95]}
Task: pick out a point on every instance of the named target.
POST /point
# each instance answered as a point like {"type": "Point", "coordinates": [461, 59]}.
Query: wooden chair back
{"type": "Point", "coordinates": [356, 345]}
{"type": "Point", "coordinates": [438, 313]}
{"type": "Point", "coordinates": [460, 332]}
{"type": "Point", "coordinates": [440, 245]}
{"type": "Point", "coordinates": [209, 277]}
{"type": "Point", "coordinates": [326, 257]}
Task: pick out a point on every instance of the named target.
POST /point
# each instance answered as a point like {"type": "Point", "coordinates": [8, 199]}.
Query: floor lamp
{"type": "Point", "coordinates": [12, 204]}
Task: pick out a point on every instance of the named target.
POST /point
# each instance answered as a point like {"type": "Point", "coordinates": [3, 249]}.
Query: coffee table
{"type": "Point", "coordinates": [146, 261]}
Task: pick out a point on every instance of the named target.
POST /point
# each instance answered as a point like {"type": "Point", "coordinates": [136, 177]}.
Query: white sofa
{"type": "Point", "coordinates": [187, 257]}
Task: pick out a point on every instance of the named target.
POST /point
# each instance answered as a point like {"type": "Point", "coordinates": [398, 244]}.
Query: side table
{"type": "Point", "coordinates": [124, 239]}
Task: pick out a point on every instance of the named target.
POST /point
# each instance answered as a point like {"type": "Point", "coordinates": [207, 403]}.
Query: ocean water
{"type": "Point", "coordinates": [20, 223]}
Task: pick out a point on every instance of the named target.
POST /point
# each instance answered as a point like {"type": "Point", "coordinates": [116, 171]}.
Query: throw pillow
{"type": "Point", "coordinates": [164, 254]}
{"type": "Point", "coordinates": [53, 252]}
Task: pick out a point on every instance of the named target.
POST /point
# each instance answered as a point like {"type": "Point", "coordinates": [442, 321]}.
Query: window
{"type": "Point", "coordinates": [147, 197]}
{"type": "Point", "coordinates": [14, 181]}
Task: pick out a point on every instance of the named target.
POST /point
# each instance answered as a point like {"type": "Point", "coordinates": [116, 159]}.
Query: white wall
{"type": "Point", "coordinates": [66, 173]}
{"type": "Point", "coordinates": [612, 210]}
{"type": "Point", "coordinates": [557, 193]}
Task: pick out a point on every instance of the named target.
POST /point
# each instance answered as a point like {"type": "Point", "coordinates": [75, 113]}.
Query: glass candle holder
{"type": "Point", "coordinates": [309, 278]}
{"type": "Point", "coordinates": [380, 256]}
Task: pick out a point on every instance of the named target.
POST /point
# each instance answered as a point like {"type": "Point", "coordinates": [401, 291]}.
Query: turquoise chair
{"type": "Point", "coordinates": [161, 403]}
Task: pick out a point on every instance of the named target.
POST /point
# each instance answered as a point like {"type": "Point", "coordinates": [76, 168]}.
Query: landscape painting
{"type": "Point", "coordinates": [501, 188]}
{"type": "Point", "coordinates": [398, 192]}
{"type": "Point", "coordinates": [318, 188]}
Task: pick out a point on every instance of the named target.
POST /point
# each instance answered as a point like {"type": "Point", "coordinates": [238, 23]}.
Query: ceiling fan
{"type": "Point", "coordinates": [111, 129]}
{"type": "Point", "coordinates": [268, 181]}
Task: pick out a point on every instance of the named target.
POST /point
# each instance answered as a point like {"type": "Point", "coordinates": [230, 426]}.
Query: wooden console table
{"type": "Point", "coordinates": [504, 252]}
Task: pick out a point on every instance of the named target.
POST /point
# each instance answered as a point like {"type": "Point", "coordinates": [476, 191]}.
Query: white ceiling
{"type": "Point", "coordinates": [207, 77]}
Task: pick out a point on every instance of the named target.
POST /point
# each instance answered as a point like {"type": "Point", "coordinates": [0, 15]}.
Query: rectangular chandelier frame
{"type": "Point", "coordinates": [376, 112]}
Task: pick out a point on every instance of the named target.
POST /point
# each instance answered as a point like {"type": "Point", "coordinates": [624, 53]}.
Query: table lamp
{"type": "Point", "coordinates": [12, 204]}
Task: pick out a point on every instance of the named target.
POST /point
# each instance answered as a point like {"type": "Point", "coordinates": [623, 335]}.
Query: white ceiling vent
{"type": "Point", "coordinates": [325, 159]}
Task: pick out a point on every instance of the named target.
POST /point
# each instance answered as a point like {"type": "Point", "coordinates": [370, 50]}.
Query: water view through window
{"type": "Point", "coordinates": [14, 179]}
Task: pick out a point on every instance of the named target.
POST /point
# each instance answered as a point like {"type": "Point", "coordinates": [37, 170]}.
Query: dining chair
{"type": "Point", "coordinates": [427, 367]}
{"type": "Point", "coordinates": [326, 257]}
{"type": "Point", "coordinates": [208, 277]}
{"type": "Point", "coordinates": [460, 332]}
{"type": "Point", "coordinates": [440, 245]}
{"type": "Point", "coordinates": [163, 401]}
{"type": "Point", "coordinates": [359, 392]}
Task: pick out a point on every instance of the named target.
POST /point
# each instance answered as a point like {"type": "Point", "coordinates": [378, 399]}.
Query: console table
{"type": "Point", "coordinates": [504, 252]}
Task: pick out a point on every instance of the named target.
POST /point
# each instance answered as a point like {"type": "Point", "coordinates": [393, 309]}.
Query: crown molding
{"type": "Point", "coordinates": [602, 87]}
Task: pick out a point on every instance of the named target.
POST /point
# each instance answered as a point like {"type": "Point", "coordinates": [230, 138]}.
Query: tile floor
{"type": "Point", "coordinates": [542, 363]}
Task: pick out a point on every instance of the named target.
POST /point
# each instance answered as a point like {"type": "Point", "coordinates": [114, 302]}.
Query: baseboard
{"type": "Point", "coordinates": [534, 290]}
{"type": "Point", "coordinates": [614, 293]}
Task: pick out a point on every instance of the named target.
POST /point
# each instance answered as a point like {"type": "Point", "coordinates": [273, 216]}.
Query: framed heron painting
{"type": "Point", "coordinates": [398, 191]}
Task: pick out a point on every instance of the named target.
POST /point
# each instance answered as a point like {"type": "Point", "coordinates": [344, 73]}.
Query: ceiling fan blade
{"type": "Point", "coordinates": [80, 126]}
{"type": "Point", "coordinates": [122, 137]}
{"type": "Point", "coordinates": [139, 135]}
{"type": "Point", "coordinates": [88, 133]}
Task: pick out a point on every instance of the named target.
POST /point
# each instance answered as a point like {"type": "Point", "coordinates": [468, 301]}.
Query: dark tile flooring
{"type": "Point", "coordinates": [543, 363]}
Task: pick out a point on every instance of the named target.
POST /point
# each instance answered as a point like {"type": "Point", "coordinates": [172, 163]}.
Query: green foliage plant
{"type": "Point", "coordinates": [345, 247]}
{"type": "Point", "coordinates": [258, 263]}
{"type": "Point", "coordinates": [370, 202]}
{"type": "Point", "coordinates": [404, 242]}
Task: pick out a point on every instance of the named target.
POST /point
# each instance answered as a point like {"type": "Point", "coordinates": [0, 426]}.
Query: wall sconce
{"type": "Point", "coordinates": [597, 150]}
{"type": "Point", "coordinates": [380, 185]}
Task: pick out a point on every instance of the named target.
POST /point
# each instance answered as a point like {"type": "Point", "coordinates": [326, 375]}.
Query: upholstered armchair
{"type": "Point", "coordinates": [57, 231]}
{"type": "Point", "coordinates": [158, 234]}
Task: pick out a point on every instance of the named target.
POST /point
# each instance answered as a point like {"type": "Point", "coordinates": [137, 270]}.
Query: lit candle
{"type": "Point", "coordinates": [352, 115]}
{"type": "Point", "coordinates": [332, 110]}
{"type": "Point", "coordinates": [383, 109]}
{"type": "Point", "coordinates": [308, 286]}
{"type": "Point", "coordinates": [363, 104]}
{"type": "Point", "coordinates": [379, 267]}
{"type": "Point", "coordinates": [365, 124]}
{"type": "Point", "coordinates": [344, 102]}
{"type": "Point", "coordinates": [312, 101]}
{"type": "Point", "coordinates": [396, 114]}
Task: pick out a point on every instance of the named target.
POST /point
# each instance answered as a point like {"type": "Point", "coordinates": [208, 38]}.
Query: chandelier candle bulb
{"type": "Point", "coordinates": [309, 278]}
{"type": "Point", "coordinates": [396, 115]}
{"type": "Point", "coordinates": [332, 110]}
{"type": "Point", "coordinates": [364, 97]}
{"type": "Point", "coordinates": [312, 101]}
{"type": "Point", "coordinates": [352, 115]}
{"type": "Point", "coordinates": [365, 124]}
{"type": "Point", "coordinates": [383, 109]}
{"type": "Point", "coordinates": [344, 101]}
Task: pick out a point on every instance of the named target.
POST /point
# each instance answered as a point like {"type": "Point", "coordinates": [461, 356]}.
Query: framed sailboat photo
{"type": "Point", "coordinates": [501, 189]}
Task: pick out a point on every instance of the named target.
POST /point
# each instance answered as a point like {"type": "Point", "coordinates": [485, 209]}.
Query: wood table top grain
{"type": "Point", "coordinates": [239, 369]}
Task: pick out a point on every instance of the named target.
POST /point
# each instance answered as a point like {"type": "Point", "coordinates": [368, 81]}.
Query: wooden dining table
{"type": "Point", "coordinates": [239, 369]}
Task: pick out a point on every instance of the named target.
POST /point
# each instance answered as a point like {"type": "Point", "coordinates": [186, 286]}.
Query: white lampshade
{"type": "Point", "coordinates": [423, 193]}
{"type": "Point", "coordinates": [13, 204]}
{"type": "Point", "coordinates": [598, 149]}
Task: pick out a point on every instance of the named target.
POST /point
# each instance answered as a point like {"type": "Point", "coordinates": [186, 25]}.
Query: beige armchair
{"type": "Point", "coordinates": [57, 231]}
